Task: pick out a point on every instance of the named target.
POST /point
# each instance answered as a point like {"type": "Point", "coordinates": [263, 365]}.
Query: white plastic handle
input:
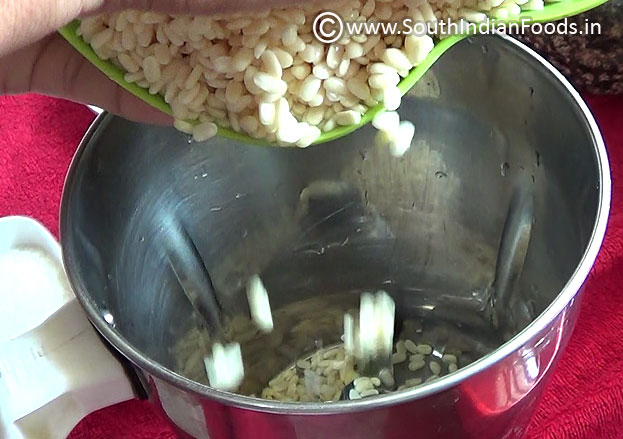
{"type": "Point", "coordinates": [57, 371]}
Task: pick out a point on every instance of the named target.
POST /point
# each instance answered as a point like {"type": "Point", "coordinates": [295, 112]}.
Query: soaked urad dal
{"type": "Point", "coordinates": [273, 371]}
{"type": "Point", "coordinates": [266, 74]}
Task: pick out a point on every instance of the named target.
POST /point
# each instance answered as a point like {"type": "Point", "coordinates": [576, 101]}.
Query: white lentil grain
{"type": "Point", "coordinates": [427, 13]}
{"type": "Point", "coordinates": [342, 68]}
{"type": "Point", "coordinates": [449, 358]}
{"type": "Point", "coordinates": [312, 53]}
{"type": "Point", "coordinates": [382, 81]}
{"type": "Point", "coordinates": [288, 37]}
{"type": "Point", "coordinates": [397, 59]}
{"type": "Point", "coordinates": [334, 53]}
{"type": "Point", "coordinates": [387, 378]}
{"type": "Point", "coordinates": [259, 48]}
{"type": "Point", "coordinates": [335, 85]}
{"type": "Point", "coordinates": [387, 121]}
{"type": "Point", "coordinates": [185, 97]}
{"type": "Point", "coordinates": [363, 385]}
{"type": "Point", "coordinates": [267, 113]}
{"type": "Point", "coordinates": [271, 63]}
{"type": "Point", "coordinates": [348, 117]}
{"type": "Point", "coordinates": [317, 100]}
{"type": "Point", "coordinates": [418, 47]}
{"type": "Point", "coordinates": [224, 367]}
{"type": "Point", "coordinates": [398, 357]}
{"type": "Point", "coordinates": [314, 116]}
{"type": "Point", "coordinates": [288, 131]}
{"type": "Point", "coordinates": [128, 63]}
{"type": "Point", "coordinates": [309, 88]}
{"type": "Point", "coordinates": [285, 59]}
{"type": "Point", "coordinates": [532, 5]}
{"type": "Point", "coordinates": [360, 108]}
{"type": "Point", "coordinates": [391, 98]}
{"type": "Point", "coordinates": [410, 346]}
{"type": "Point", "coordinates": [353, 394]}
{"type": "Point", "coordinates": [102, 38]}
{"type": "Point", "coordinates": [354, 49]}
{"type": "Point", "coordinates": [312, 133]}
{"type": "Point", "coordinates": [257, 297]}
{"type": "Point", "coordinates": [156, 87]}
{"type": "Point", "coordinates": [242, 59]}
{"type": "Point", "coordinates": [499, 13]}
{"type": "Point", "coordinates": [183, 126]}
{"type": "Point", "coordinates": [249, 124]}
{"type": "Point", "coordinates": [380, 68]}
{"type": "Point", "coordinates": [412, 382]}
{"type": "Point", "coordinates": [303, 364]}
{"type": "Point", "coordinates": [321, 71]}
{"type": "Point", "coordinates": [435, 367]}
{"type": "Point", "coordinates": [370, 392]}
{"type": "Point", "coordinates": [401, 143]}
{"type": "Point", "coordinates": [416, 365]}
{"type": "Point", "coordinates": [269, 83]}
{"type": "Point", "coordinates": [300, 71]}
{"type": "Point", "coordinates": [257, 27]}
{"type": "Point", "coordinates": [424, 349]}
{"type": "Point", "coordinates": [400, 347]}
{"type": "Point", "coordinates": [513, 9]}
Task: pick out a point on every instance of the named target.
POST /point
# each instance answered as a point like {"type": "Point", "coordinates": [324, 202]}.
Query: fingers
{"type": "Point", "coordinates": [53, 67]}
{"type": "Point", "coordinates": [199, 6]}
{"type": "Point", "coordinates": [23, 22]}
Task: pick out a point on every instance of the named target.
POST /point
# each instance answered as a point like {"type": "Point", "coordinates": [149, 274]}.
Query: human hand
{"type": "Point", "coordinates": [33, 58]}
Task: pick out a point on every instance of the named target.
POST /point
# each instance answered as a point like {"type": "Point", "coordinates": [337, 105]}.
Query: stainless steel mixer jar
{"type": "Point", "coordinates": [490, 223]}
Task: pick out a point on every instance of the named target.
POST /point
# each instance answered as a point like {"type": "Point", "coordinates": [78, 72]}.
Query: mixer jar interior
{"type": "Point", "coordinates": [473, 232]}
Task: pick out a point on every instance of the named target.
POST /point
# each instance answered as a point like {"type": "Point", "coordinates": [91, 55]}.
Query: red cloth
{"type": "Point", "coordinates": [585, 398]}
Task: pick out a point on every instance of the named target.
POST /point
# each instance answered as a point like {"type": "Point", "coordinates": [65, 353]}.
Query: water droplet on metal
{"type": "Point", "coordinates": [216, 209]}
{"type": "Point", "coordinates": [485, 49]}
{"type": "Point", "coordinates": [108, 317]}
{"type": "Point", "coordinates": [204, 175]}
{"type": "Point", "coordinates": [440, 174]}
{"type": "Point", "coordinates": [189, 139]}
{"type": "Point", "coordinates": [316, 249]}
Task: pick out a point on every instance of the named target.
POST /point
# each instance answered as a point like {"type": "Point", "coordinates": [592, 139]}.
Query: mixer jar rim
{"type": "Point", "coordinates": [567, 294]}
